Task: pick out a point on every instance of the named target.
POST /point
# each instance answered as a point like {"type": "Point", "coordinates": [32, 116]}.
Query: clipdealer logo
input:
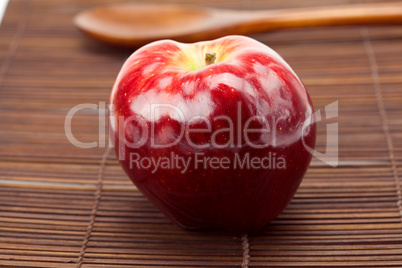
{"type": "Point", "coordinates": [199, 160]}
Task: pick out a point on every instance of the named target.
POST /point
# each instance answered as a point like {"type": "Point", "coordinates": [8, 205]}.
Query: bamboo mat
{"type": "Point", "coordinates": [62, 206]}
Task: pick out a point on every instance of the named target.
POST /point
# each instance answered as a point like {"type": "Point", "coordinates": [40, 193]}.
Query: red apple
{"type": "Point", "coordinates": [213, 133]}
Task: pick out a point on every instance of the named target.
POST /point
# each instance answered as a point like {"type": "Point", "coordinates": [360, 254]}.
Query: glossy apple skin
{"type": "Point", "coordinates": [247, 74]}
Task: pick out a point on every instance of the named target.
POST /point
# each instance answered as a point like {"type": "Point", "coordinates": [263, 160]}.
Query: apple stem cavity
{"type": "Point", "coordinates": [210, 58]}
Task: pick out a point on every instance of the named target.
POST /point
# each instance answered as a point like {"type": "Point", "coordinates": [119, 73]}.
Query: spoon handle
{"type": "Point", "coordinates": [259, 21]}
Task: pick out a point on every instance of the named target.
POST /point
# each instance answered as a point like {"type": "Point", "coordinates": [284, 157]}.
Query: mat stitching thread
{"type": "Point", "coordinates": [98, 194]}
{"type": "Point", "coordinates": [15, 42]}
{"type": "Point", "coordinates": [246, 251]}
{"type": "Point", "coordinates": [383, 114]}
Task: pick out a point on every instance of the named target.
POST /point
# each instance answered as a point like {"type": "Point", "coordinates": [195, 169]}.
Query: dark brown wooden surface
{"type": "Point", "coordinates": [62, 206]}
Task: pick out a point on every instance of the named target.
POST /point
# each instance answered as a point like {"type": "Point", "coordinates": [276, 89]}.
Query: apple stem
{"type": "Point", "coordinates": [210, 58]}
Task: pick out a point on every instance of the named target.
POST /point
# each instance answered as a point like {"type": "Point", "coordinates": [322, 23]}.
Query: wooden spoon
{"type": "Point", "coordinates": [133, 24]}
